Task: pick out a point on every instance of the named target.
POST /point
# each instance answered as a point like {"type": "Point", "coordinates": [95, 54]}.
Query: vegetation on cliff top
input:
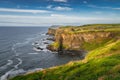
{"type": "Point", "coordinates": [91, 28]}
{"type": "Point", "coordinates": [101, 63]}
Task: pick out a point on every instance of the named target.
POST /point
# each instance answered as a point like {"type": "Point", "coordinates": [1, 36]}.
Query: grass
{"type": "Point", "coordinates": [101, 63]}
{"type": "Point", "coordinates": [94, 44]}
{"type": "Point", "coordinates": [55, 44]}
{"type": "Point", "coordinates": [92, 28]}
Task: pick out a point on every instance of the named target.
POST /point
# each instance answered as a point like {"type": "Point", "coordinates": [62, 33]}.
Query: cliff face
{"type": "Point", "coordinates": [76, 41]}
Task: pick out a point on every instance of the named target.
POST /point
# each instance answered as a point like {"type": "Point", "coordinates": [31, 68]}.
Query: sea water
{"type": "Point", "coordinates": [18, 54]}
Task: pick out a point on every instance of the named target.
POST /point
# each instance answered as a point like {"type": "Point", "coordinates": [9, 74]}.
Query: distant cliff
{"type": "Point", "coordinates": [52, 29]}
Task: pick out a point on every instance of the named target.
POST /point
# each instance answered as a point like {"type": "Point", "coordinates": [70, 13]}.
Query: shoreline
{"type": "Point", "coordinates": [101, 46]}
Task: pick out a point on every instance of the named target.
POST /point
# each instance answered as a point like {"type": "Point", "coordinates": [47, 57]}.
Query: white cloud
{"type": "Point", "coordinates": [116, 8]}
{"type": "Point", "coordinates": [60, 0]}
{"type": "Point", "coordinates": [104, 7]}
{"type": "Point", "coordinates": [57, 15]}
{"type": "Point", "coordinates": [59, 8]}
{"type": "Point", "coordinates": [23, 10]}
{"type": "Point", "coordinates": [49, 7]}
{"type": "Point", "coordinates": [18, 6]}
{"type": "Point", "coordinates": [53, 19]}
{"type": "Point", "coordinates": [85, 2]}
{"type": "Point", "coordinates": [65, 4]}
{"type": "Point", "coordinates": [98, 12]}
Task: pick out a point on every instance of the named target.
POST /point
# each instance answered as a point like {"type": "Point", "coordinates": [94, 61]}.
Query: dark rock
{"type": "Point", "coordinates": [51, 39]}
{"type": "Point", "coordinates": [43, 39]}
{"type": "Point", "coordinates": [39, 48]}
{"type": "Point", "coordinates": [46, 43]}
{"type": "Point", "coordinates": [36, 43]}
{"type": "Point", "coordinates": [72, 52]}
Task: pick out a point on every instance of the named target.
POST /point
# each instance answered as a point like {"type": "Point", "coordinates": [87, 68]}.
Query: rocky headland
{"type": "Point", "coordinates": [75, 40]}
{"type": "Point", "coordinates": [102, 62]}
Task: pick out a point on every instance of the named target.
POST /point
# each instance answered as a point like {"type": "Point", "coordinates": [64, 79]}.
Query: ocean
{"type": "Point", "coordinates": [18, 54]}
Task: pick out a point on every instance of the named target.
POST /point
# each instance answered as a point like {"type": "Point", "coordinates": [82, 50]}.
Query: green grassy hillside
{"type": "Point", "coordinates": [101, 63]}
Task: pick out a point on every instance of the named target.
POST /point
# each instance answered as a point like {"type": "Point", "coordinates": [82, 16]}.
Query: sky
{"type": "Point", "coordinates": [58, 12]}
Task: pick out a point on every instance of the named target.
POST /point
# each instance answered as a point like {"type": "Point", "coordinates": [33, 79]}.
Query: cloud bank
{"type": "Point", "coordinates": [59, 8]}
{"type": "Point", "coordinates": [23, 10]}
{"type": "Point", "coordinates": [60, 0]}
{"type": "Point", "coordinates": [104, 7]}
{"type": "Point", "coordinates": [53, 19]}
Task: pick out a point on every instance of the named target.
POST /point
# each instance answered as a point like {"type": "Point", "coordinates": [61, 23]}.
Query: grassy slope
{"type": "Point", "coordinates": [101, 63]}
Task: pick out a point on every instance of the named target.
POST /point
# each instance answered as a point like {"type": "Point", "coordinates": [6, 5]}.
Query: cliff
{"type": "Point", "coordinates": [102, 62]}
{"type": "Point", "coordinates": [79, 38]}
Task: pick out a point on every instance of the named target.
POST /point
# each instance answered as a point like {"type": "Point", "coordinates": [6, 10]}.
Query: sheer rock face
{"type": "Point", "coordinates": [76, 40]}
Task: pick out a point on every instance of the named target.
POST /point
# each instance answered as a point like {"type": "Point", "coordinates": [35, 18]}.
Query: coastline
{"type": "Point", "coordinates": [102, 46]}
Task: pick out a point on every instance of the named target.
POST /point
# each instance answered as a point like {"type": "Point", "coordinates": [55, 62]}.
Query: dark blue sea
{"type": "Point", "coordinates": [18, 54]}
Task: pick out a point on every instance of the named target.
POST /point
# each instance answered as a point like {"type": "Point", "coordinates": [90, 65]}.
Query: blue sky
{"type": "Point", "coordinates": [58, 12]}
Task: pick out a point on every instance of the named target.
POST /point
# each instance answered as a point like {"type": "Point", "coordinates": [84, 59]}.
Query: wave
{"type": "Point", "coordinates": [15, 65]}
{"type": "Point", "coordinates": [43, 34]}
{"type": "Point", "coordinates": [5, 76]}
{"type": "Point", "coordinates": [10, 62]}
{"type": "Point", "coordinates": [4, 51]}
{"type": "Point", "coordinates": [18, 45]}
{"type": "Point", "coordinates": [36, 49]}
{"type": "Point", "coordinates": [20, 62]}
{"type": "Point", "coordinates": [34, 70]}
{"type": "Point", "coordinates": [13, 48]}
{"type": "Point", "coordinates": [12, 73]}
{"type": "Point", "coordinates": [15, 73]}
{"type": "Point", "coordinates": [33, 53]}
{"type": "Point", "coordinates": [46, 50]}
{"type": "Point", "coordinates": [21, 44]}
